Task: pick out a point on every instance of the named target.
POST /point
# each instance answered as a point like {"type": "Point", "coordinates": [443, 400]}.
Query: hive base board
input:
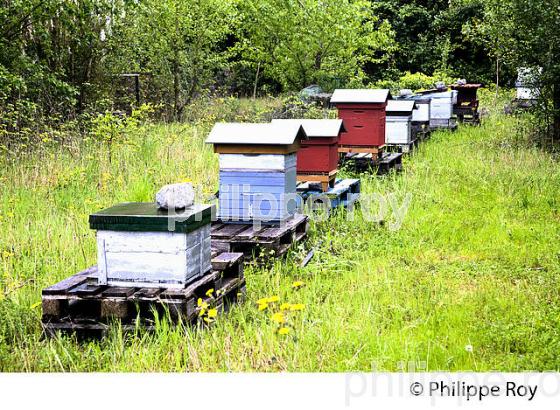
{"type": "Point", "coordinates": [78, 305]}
{"type": "Point", "coordinates": [355, 149]}
{"type": "Point", "coordinates": [365, 162]}
{"type": "Point", "coordinates": [327, 180]}
{"type": "Point", "coordinates": [251, 240]}
{"type": "Point", "coordinates": [344, 193]}
{"type": "Point", "coordinates": [443, 125]}
{"type": "Point", "coordinates": [404, 148]}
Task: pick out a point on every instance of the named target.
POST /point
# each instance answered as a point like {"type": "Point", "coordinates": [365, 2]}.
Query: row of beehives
{"type": "Point", "coordinates": [259, 168]}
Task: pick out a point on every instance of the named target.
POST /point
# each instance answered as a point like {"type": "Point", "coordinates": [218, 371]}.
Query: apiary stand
{"type": "Point", "coordinates": [80, 305]}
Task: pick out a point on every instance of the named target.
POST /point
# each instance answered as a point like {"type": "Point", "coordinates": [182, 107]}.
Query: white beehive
{"type": "Point", "coordinates": [398, 126]}
{"type": "Point", "coordinates": [257, 170]}
{"type": "Point", "coordinates": [140, 245]}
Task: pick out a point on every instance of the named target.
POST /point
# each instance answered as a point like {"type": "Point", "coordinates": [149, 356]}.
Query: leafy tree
{"type": "Point", "coordinates": [300, 42]}
{"type": "Point", "coordinates": [176, 41]}
{"type": "Point", "coordinates": [430, 37]}
{"type": "Point", "coordinates": [524, 33]}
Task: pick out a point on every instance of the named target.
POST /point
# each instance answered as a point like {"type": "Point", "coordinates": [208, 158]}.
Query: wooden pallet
{"type": "Point", "coordinates": [344, 193]}
{"type": "Point", "coordinates": [363, 162]}
{"type": "Point", "coordinates": [250, 239]}
{"type": "Point", "coordinates": [355, 149]}
{"type": "Point", "coordinates": [327, 179]}
{"type": "Point", "coordinates": [404, 148]}
{"type": "Point", "coordinates": [79, 305]}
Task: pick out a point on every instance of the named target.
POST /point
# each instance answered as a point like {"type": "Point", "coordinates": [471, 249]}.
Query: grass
{"type": "Point", "coordinates": [469, 281]}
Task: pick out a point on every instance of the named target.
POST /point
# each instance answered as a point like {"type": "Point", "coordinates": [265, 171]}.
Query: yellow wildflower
{"type": "Point", "coordinates": [285, 306]}
{"type": "Point", "coordinates": [262, 301]}
{"type": "Point", "coordinates": [209, 292]}
{"type": "Point", "coordinates": [278, 317]}
{"type": "Point", "coordinates": [297, 284]}
{"type": "Point", "coordinates": [273, 299]}
{"type": "Point", "coordinates": [212, 313]}
{"type": "Point", "coordinates": [297, 306]}
{"type": "Point", "coordinates": [7, 254]}
{"type": "Point", "coordinates": [283, 330]}
{"type": "Point", "coordinates": [262, 306]}
{"type": "Point", "coordinates": [35, 305]}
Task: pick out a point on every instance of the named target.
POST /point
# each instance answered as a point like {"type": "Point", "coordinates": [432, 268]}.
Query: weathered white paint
{"type": "Point", "coordinates": [441, 108]}
{"type": "Point", "coordinates": [398, 130]}
{"type": "Point", "coordinates": [525, 93]}
{"type": "Point", "coordinates": [164, 259]}
{"type": "Point", "coordinates": [421, 113]}
{"type": "Point", "coordinates": [257, 161]}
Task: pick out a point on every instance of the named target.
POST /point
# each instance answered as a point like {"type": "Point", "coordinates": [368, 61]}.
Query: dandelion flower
{"type": "Point", "coordinates": [283, 330]}
{"type": "Point", "coordinates": [262, 301]}
{"type": "Point", "coordinates": [297, 284]}
{"type": "Point", "coordinates": [278, 317]}
{"type": "Point", "coordinates": [262, 306]}
{"type": "Point", "coordinates": [469, 348]}
{"type": "Point", "coordinates": [209, 292]}
{"type": "Point", "coordinates": [212, 313]}
{"type": "Point", "coordinates": [273, 299]}
{"type": "Point", "coordinates": [285, 306]}
{"type": "Point", "coordinates": [297, 306]}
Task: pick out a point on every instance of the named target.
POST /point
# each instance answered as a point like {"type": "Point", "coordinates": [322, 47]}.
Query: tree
{"type": "Point", "coordinates": [524, 33]}
{"type": "Point", "coordinates": [430, 37]}
{"type": "Point", "coordinates": [176, 41]}
{"type": "Point", "coordinates": [300, 42]}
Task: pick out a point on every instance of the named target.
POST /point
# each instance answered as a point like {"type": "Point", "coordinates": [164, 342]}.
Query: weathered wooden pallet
{"type": "Point", "coordinates": [344, 193]}
{"type": "Point", "coordinates": [404, 148]}
{"type": "Point", "coordinates": [250, 239]}
{"type": "Point", "coordinates": [362, 162]}
{"type": "Point", "coordinates": [79, 305]}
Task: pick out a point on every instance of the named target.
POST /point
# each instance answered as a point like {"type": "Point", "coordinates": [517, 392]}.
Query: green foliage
{"type": "Point", "coordinates": [524, 33]}
{"type": "Point", "coordinates": [414, 81]}
{"type": "Point", "coordinates": [176, 43]}
{"type": "Point", "coordinates": [302, 42]}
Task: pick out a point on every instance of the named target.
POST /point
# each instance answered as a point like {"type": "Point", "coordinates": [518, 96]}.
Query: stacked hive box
{"type": "Point", "coordinates": [441, 107]}
{"type": "Point", "coordinates": [141, 245]}
{"type": "Point", "coordinates": [526, 84]}
{"type": "Point", "coordinates": [399, 122]}
{"type": "Point", "coordinates": [257, 170]}
{"type": "Point", "coordinates": [466, 107]}
{"type": "Point", "coordinates": [363, 113]}
{"type": "Point", "coordinates": [317, 158]}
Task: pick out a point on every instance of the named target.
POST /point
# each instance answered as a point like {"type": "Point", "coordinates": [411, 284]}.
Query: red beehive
{"type": "Point", "coordinates": [363, 113]}
{"type": "Point", "coordinates": [317, 158]}
{"type": "Point", "coordinates": [319, 153]}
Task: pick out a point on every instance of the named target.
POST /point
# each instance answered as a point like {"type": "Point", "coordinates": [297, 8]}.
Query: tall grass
{"type": "Point", "coordinates": [469, 282]}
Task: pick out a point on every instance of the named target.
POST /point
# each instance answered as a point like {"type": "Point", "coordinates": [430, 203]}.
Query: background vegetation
{"type": "Point", "coordinates": [62, 62]}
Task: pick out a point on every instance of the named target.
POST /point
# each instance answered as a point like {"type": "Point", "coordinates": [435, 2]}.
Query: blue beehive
{"type": "Point", "coordinates": [257, 170]}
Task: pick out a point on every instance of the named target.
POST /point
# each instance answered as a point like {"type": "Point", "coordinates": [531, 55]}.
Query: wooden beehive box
{"type": "Point", "coordinates": [399, 121]}
{"type": "Point", "coordinates": [319, 152]}
{"type": "Point", "coordinates": [141, 245]}
{"type": "Point", "coordinates": [421, 112]}
{"type": "Point", "coordinates": [257, 170]}
{"type": "Point", "coordinates": [363, 113]}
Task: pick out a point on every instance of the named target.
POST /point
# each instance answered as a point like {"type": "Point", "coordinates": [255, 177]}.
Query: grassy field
{"type": "Point", "coordinates": [469, 281]}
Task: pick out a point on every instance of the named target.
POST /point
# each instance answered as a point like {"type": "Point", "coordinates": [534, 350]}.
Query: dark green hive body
{"type": "Point", "coordinates": [147, 217]}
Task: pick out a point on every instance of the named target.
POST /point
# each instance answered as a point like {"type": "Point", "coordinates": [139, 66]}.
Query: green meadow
{"type": "Point", "coordinates": [468, 282]}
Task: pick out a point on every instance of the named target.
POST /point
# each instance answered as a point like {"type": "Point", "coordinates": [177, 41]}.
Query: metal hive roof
{"type": "Point", "coordinates": [255, 133]}
{"type": "Point", "coordinates": [400, 106]}
{"type": "Point", "coordinates": [363, 95]}
{"type": "Point", "coordinates": [317, 127]}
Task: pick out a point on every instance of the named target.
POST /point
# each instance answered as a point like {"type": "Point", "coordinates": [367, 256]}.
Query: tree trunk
{"type": "Point", "coordinates": [556, 113]}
